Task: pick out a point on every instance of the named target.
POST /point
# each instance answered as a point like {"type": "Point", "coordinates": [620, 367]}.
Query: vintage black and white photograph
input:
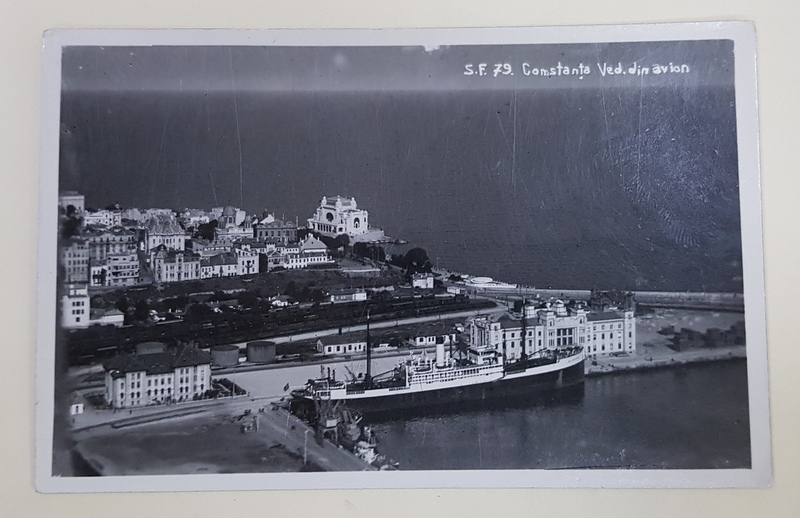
{"type": "Point", "coordinates": [514, 258]}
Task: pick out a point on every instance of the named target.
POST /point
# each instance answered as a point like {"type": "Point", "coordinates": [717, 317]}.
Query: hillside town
{"type": "Point", "coordinates": [107, 252]}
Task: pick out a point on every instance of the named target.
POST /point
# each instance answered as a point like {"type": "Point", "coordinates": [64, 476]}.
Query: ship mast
{"type": "Point", "coordinates": [368, 377]}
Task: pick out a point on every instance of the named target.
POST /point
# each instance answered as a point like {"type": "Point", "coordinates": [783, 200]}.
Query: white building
{"type": "Point", "coordinates": [174, 266]}
{"type": "Point", "coordinates": [72, 199]}
{"type": "Point", "coordinates": [165, 230]}
{"type": "Point", "coordinates": [110, 317]}
{"type": "Point", "coordinates": [107, 218]}
{"type": "Point", "coordinates": [612, 332]}
{"type": "Point", "coordinates": [145, 215]}
{"type": "Point", "coordinates": [422, 281]}
{"type": "Point", "coordinates": [281, 301]}
{"type": "Point", "coordinates": [109, 241]}
{"type": "Point", "coordinates": [212, 250]}
{"type": "Point", "coordinates": [134, 380]}
{"type": "Point", "coordinates": [275, 230]}
{"type": "Point", "coordinates": [229, 235]}
{"type": "Point", "coordinates": [220, 265]}
{"type": "Point", "coordinates": [434, 333]}
{"type": "Point", "coordinates": [247, 261]}
{"type": "Point", "coordinates": [74, 259]}
{"type": "Point", "coordinates": [456, 290]}
{"type": "Point", "coordinates": [348, 295]}
{"type": "Point", "coordinates": [338, 215]}
{"type": "Point", "coordinates": [291, 256]}
{"type": "Point", "coordinates": [195, 217]}
{"type": "Point", "coordinates": [337, 344]}
{"type": "Point", "coordinates": [75, 306]}
{"type": "Point", "coordinates": [115, 270]}
{"type": "Point", "coordinates": [228, 216]}
{"type": "Point", "coordinates": [556, 326]}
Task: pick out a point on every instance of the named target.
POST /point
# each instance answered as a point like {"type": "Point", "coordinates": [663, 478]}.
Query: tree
{"type": "Point", "coordinates": [398, 260]}
{"type": "Point", "coordinates": [206, 230]}
{"type": "Point", "coordinates": [142, 310]}
{"type": "Point", "coordinates": [122, 304]}
{"type": "Point", "coordinates": [378, 254]}
{"type": "Point", "coordinates": [417, 261]}
{"type": "Point", "coordinates": [248, 299]}
{"type": "Point", "coordinates": [70, 226]}
{"type": "Point", "coordinates": [342, 241]}
{"type": "Point", "coordinates": [360, 249]}
{"type": "Point", "coordinates": [198, 313]}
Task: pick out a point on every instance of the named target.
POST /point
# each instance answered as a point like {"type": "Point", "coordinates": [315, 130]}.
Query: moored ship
{"type": "Point", "coordinates": [478, 371]}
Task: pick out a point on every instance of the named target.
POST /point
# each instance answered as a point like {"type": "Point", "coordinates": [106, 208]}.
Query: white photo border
{"type": "Point", "coordinates": [743, 35]}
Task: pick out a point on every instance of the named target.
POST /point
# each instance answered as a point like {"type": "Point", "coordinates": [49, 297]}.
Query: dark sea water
{"type": "Point", "coordinates": [692, 417]}
{"type": "Point", "coordinates": [572, 188]}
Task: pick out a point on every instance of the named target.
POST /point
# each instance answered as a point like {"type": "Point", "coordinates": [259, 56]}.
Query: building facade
{"type": "Point", "coordinates": [228, 216]}
{"type": "Point", "coordinates": [220, 265]}
{"type": "Point", "coordinates": [348, 295]}
{"type": "Point", "coordinates": [74, 259]}
{"type": "Point", "coordinates": [246, 261]}
{"type": "Point", "coordinates": [310, 252]}
{"type": "Point", "coordinates": [422, 281]}
{"type": "Point", "coordinates": [338, 215]}
{"type": "Point", "coordinates": [229, 235]}
{"type": "Point", "coordinates": [145, 215]}
{"type": "Point", "coordinates": [106, 218]}
{"type": "Point", "coordinates": [336, 344]}
{"type": "Point", "coordinates": [174, 266]}
{"type": "Point", "coordinates": [72, 199]}
{"type": "Point", "coordinates": [115, 270]}
{"type": "Point", "coordinates": [433, 333]}
{"type": "Point", "coordinates": [164, 230]}
{"type": "Point", "coordinates": [135, 380]}
{"type": "Point", "coordinates": [275, 230]}
{"type": "Point", "coordinates": [555, 326]}
{"type": "Point", "coordinates": [109, 241]}
{"type": "Point", "coordinates": [75, 312]}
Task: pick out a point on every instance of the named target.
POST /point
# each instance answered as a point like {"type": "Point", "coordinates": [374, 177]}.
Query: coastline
{"type": "Point", "coordinates": [103, 442]}
{"type": "Point", "coordinates": [663, 360]}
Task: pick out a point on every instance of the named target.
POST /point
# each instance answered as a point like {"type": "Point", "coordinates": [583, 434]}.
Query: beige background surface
{"type": "Point", "coordinates": [21, 26]}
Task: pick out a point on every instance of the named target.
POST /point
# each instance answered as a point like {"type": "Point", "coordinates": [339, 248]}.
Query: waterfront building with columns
{"type": "Point", "coordinates": [556, 325]}
{"type": "Point", "coordinates": [337, 215]}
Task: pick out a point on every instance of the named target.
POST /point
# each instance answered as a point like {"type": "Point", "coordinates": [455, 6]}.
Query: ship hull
{"type": "Point", "coordinates": [517, 389]}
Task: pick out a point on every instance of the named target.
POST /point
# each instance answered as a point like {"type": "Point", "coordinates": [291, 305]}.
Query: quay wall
{"type": "Point", "coordinates": [642, 362]}
{"type": "Point", "coordinates": [665, 299]}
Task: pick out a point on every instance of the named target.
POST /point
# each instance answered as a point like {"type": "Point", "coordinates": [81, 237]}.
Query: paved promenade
{"type": "Point", "coordinates": [213, 442]}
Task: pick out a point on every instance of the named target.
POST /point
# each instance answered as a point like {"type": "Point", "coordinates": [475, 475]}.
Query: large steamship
{"type": "Point", "coordinates": [478, 370]}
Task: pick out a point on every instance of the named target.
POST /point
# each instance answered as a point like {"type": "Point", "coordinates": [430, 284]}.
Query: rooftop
{"type": "Point", "coordinates": [606, 315]}
{"type": "Point", "coordinates": [340, 339]}
{"type": "Point", "coordinates": [219, 259]}
{"type": "Point", "coordinates": [156, 363]}
{"type": "Point", "coordinates": [163, 225]}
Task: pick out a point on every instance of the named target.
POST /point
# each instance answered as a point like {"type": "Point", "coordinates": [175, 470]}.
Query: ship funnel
{"type": "Point", "coordinates": [440, 360]}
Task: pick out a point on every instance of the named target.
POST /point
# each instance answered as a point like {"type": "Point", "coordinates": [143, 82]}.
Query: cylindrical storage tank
{"type": "Point", "coordinates": [224, 356]}
{"type": "Point", "coordinates": [150, 348]}
{"type": "Point", "coordinates": [261, 352]}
